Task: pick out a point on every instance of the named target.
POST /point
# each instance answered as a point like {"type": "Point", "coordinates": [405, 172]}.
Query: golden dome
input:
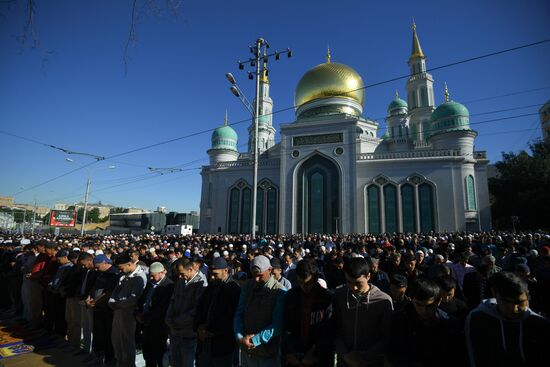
{"type": "Point", "coordinates": [329, 80]}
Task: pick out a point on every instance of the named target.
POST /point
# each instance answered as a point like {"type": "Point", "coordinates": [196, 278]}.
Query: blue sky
{"type": "Point", "coordinates": [174, 85]}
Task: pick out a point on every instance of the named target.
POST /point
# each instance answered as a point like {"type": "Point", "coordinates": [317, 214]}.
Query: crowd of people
{"type": "Point", "coordinates": [450, 299]}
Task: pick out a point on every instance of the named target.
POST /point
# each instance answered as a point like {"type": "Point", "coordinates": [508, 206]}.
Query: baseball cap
{"type": "Point", "coordinates": [101, 258]}
{"type": "Point", "coordinates": [218, 263]}
{"type": "Point", "coordinates": [156, 267]}
{"type": "Point", "coordinates": [260, 263]}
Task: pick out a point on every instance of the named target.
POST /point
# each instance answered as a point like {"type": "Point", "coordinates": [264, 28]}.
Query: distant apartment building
{"type": "Point", "coordinates": [136, 223]}
{"type": "Point", "coordinates": [145, 222]}
{"type": "Point", "coordinates": [104, 210]}
{"type": "Point", "coordinates": [191, 218]}
{"type": "Point", "coordinates": [6, 201]}
{"type": "Point", "coordinates": [7, 221]}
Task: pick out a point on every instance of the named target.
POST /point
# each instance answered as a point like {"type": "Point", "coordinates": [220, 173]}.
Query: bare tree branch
{"type": "Point", "coordinates": [131, 36]}
{"type": "Point", "coordinates": [29, 33]}
{"type": "Point", "coordinates": [149, 6]}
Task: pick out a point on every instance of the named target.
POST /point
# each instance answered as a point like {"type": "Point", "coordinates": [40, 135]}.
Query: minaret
{"type": "Point", "coordinates": [266, 131]}
{"type": "Point", "coordinates": [420, 94]}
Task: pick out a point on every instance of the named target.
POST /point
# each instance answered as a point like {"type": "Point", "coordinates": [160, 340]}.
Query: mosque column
{"type": "Point", "coordinates": [399, 210]}
{"type": "Point", "coordinates": [417, 208]}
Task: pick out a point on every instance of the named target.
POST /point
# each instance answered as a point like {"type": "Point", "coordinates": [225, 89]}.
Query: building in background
{"type": "Point", "coordinates": [191, 218]}
{"type": "Point", "coordinates": [146, 222]}
{"type": "Point", "coordinates": [7, 221]}
{"type": "Point", "coordinates": [332, 173]}
{"type": "Point", "coordinates": [6, 201]}
{"type": "Point", "coordinates": [136, 223]}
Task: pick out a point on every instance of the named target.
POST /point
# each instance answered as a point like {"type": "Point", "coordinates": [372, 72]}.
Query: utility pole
{"type": "Point", "coordinates": [255, 61]}
{"type": "Point", "coordinates": [85, 206]}
{"type": "Point", "coordinates": [33, 216]}
{"type": "Point", "coordinates": [259, 43]}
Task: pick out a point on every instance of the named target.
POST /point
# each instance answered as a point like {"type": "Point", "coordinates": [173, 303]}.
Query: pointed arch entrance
{"type": "Point", "coordinates": [318, 206]}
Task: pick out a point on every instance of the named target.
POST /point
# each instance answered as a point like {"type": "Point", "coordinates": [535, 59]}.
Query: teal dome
{"type": "Point", "coordinates": [397, 103]}
{"type": "Point", "coordinates": [448, 117]}
{"type": "Point", "coordinates": [450, 109]}
{"type": "Point", "coordinates": [225, 132]}
{"type": "Point", "coordinates": [224, 137]}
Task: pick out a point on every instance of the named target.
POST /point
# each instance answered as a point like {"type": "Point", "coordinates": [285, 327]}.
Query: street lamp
{"type": "Point", "coordinates": [259, 52]}
{"type": "Point", "coordinates": [87, 190]}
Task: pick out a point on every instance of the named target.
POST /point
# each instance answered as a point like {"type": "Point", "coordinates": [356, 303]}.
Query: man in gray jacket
{"type": "Point", "coordinates": [123, 301]}
{"type": "Point", "coordinates": [181, 313]}
{"type": "Point", "coordinates": [258, 321]}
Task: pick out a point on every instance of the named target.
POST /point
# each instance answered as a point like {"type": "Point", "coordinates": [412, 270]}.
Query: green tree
{"type": "Point", "coordinates": [117, 210]}
{"type": "Point", "coordinates": [93, 216]}
{"type": "Point", "coordinates": [521, 188]}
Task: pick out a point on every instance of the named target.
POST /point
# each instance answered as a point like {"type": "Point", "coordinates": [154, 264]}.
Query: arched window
{"type": "Point", "coordinates": [271, 226]}
{"type": "Point", "coordinates": [407, 207]}
{"type": "Point", "coordinates": [426, 203]}
{"type": "Point", "coordinates": [245, 210]}
{"type": "Point", "coordinates": [373, 201]}
{"type": "Point", "coordinates": [318, 204]}
{"type": "Point", "coordinates": [390, 208]}
{"type": "Point", "coordinates": [471, 193]}
{"type": "Point", "coordinates": [316, 194]}
{"type": "Point", "coordinates": [234, 210]}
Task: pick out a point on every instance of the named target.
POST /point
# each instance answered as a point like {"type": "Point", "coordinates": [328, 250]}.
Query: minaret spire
{"type": "Point", "coordinates": [225, 119]}
{"type": "Point", "coordinates": [416, 49]}
{"type": "Point", "coordinates": [446, 93]}
{"type": "Point", "coordinates": [264, 78]}
{"type": "Point", "coordinates": [396, 94]}
{"type": "Point", "coordinates": [328, 54]}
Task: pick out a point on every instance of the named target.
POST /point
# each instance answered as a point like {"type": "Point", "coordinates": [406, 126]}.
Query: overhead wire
{"type": "Point", "coordinates": [149, 146]}
{"type": "Point", "coordinates": [350, 91]}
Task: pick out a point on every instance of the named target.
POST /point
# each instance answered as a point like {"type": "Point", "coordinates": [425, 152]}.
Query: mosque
{"type": "Point", "coordinates": [331, 173]}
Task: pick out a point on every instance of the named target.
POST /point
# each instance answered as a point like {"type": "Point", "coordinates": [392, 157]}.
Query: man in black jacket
{"type": "Point", "coordinates": [70, 288]}
{"type": "Point", "coordinates": [104, 283]}
{"type": "Point", "coordinates": [308, 311]}
{"type": "Point", "coordinates": [214, 318]}
{"type": "Point", "coordinates": [423, 335]}
{"type": "Point", "coordinates": [151, 312]}
{"type": "Point", "coordinates": [503, 331]}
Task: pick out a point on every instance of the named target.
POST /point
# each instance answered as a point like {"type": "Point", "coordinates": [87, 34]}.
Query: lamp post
{"type": "Point", "coordinates": [255, 61]}
{"type": "Point", "coordinates": [88, 180]}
